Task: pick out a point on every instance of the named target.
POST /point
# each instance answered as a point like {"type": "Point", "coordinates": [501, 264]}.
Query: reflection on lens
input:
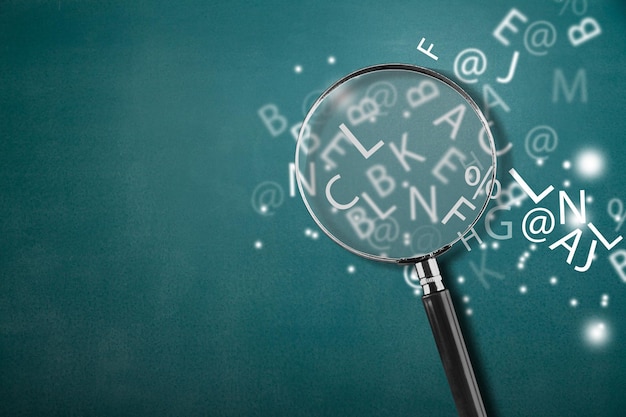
{"type": "Point", "coordinates": [390, 163]}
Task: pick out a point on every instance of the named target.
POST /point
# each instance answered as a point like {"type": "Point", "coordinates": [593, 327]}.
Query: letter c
{"type": "Point", "coordinates": [334, 202]}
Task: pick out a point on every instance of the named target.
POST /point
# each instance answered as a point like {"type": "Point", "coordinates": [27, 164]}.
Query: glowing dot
{"type": "Point", "coordinates": [589, 199]}
{"type": "Point", "coordinates": [406, 114]}
{"type": "Point", "coordinates": [554, 280]}
{"type": "Point", "coordinates": [604, 302]}
{"type": "Point", "coordinates": [461, 279]}
{"type": "Point", "coordinates": [495, 245]}
{"type": "Point", "coordinates": [258, 244]}
{"type": "Point", "coordinates": [405, 184]}
{"type": "Point", "coordinates": [533, 246]}
{"type": "Point", "coordinates": [566, 183]}
{"type": "Point", "coordinates": [526, 254]}
{"type": "Point", "coordinates": [469, 311]}
{"type": "Point", "coordinates": [539, 162]}
{"type": "Point", "coordinates": [263, 208]}
{"type": "Point", "coordinates": [523, 289]}
{"type": "Point", "coordinates": [483, 245]}
{"type": "Point", "coordinates": [590, 164]}
{"type": "Point", "coordinates": [466, 299]}
{"type": "Point", "coordinates": [596, 333]}
{"type": "Point", "coordinates": [297, 69]}
{"type": "Point", "coordinates": [520, 266]}
{"type": "Point", "coordinates": [567, 164]}
{"type": "Point", "coordinates": [315, 235]}
{"type": "Point", "coordinates": [573, 302]}
{"type": "Point", "coordinates": [307, 232]}
{"type": "Point", "coordinates": [351, 269]}
{"type": "Point", "coordinates": [331, 60]}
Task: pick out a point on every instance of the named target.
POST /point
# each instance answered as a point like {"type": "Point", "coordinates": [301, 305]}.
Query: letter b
{"type": "Point", "coordinates": [383, 183]}
{"type": "Point", "coordinates": [362, 225]}
{"type": "Point", "coordinates": [273, 120]}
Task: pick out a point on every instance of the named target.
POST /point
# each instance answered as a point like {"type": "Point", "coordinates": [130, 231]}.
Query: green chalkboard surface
{"type": "Point", "coordinates": [156, 257]}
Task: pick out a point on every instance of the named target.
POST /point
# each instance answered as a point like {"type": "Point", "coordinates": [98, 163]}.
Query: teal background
{"type": "Point", "coordinates": [130, 150]}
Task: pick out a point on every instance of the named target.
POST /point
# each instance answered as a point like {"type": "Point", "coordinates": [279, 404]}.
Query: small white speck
{"type": "Point", "coordinates": [297, 69]}
{"type": "Point", "coordinates": [604, 302]}
{"type": "Point", "coordinates": [566, 183]}
{"type": "Point", "coordinates": [331, 60]}
{"type": "Point", "coordinates": [258, 244]}
{"type": "Point", "coordinates": [553, 280]}
{"type": "Point", "coordinates": [469, 311]}
{"type": "Point", "coordinates": [461, 279]}
{"type": "Point", "coordinates": [523, 289]}
{"type": "Point", "coordinates": [567, 164]}
{"type": "Point", "coordinates": [351, 269]}
{"type": "Point", "coordinates": [406, 114]}
{"type": "Point", "coordinates": [466, 299]}
{"type": "Point", "coordinates": [573, 302]}
{"type": "Point", "coordinates": [495, 245]}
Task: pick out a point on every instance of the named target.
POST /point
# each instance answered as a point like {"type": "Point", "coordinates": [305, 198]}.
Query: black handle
{"type": "Point", "coordinates": [453, 352]}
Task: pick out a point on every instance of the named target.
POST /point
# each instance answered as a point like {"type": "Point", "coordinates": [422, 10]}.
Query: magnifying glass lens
{"type": "Point", "coordinates": [395, 162]}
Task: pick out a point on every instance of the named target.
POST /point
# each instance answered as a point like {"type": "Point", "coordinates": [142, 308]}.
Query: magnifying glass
{"type": "Point", "coordinates": [396, 163]}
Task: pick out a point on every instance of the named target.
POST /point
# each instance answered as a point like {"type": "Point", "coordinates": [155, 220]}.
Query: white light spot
{"type": "Point", "coordinates": [553, 280]}
{"type": "Point", "coordinates": [469, 311]}
{"type": "Point", "coordinates": [573, 302]}
{"type": "Point", "coordinates": [351, 269]}
{"type": "Point", "coordinates": [523, 289]}
{"type": "Point", "coordinates": [520, 266]}
{"type": "Point", "coordinates": [533, 246]}
{"type": "Point", "coordinates": [483, 245]}
{"type": "Point", "coordinates": [495, 245]}
{"type": "Point", "coordinates": [567, 164]}
{"type": "Point", "coordinates": [604, 302]}
{"type": "Point", "coordinates": [590, 164]}
{"type": "Point", "coordinates": [539, 161]}
{"type": "Point", "coordinates": [566, 183]}
{"type": "Point", "coordinates": [297, 69]}
{"type": "Point", "coordinates": [466, 299]}
{"type": "Point", "coordinates": [258, 244]}
{"type": "Point", "coordinates": [406, 114]}
{"type": "Point", "coordinates": [331, 60]}
{"type": "Point", "coordinates": [461, 279]}
{"type": "Point", "coordinates": [589, 199]}
{"type": "Point", "coordinates": [596, 333]}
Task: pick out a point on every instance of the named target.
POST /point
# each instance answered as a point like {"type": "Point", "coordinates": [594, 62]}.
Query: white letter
{"type": "Point", "coordinates": [366, 153]}
{"type": "Point", "coordinates": [274, 122]}
{"type": "Point", "coordinates": [401, 154]}
{"type": "Point", "coordinates": [506, 24]}
{"type": "Point", "coordinates": [460, 109]}
{"type": "Point", "coordinates": [578, 34]}
{"type": "Point", "coordinates": [332, 201]}
{"type": "Point", "coordinates": [378, 177]}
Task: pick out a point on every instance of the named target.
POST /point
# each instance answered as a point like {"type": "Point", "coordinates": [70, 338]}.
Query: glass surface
{"type": "Point", "coordinates": [395, 162]}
